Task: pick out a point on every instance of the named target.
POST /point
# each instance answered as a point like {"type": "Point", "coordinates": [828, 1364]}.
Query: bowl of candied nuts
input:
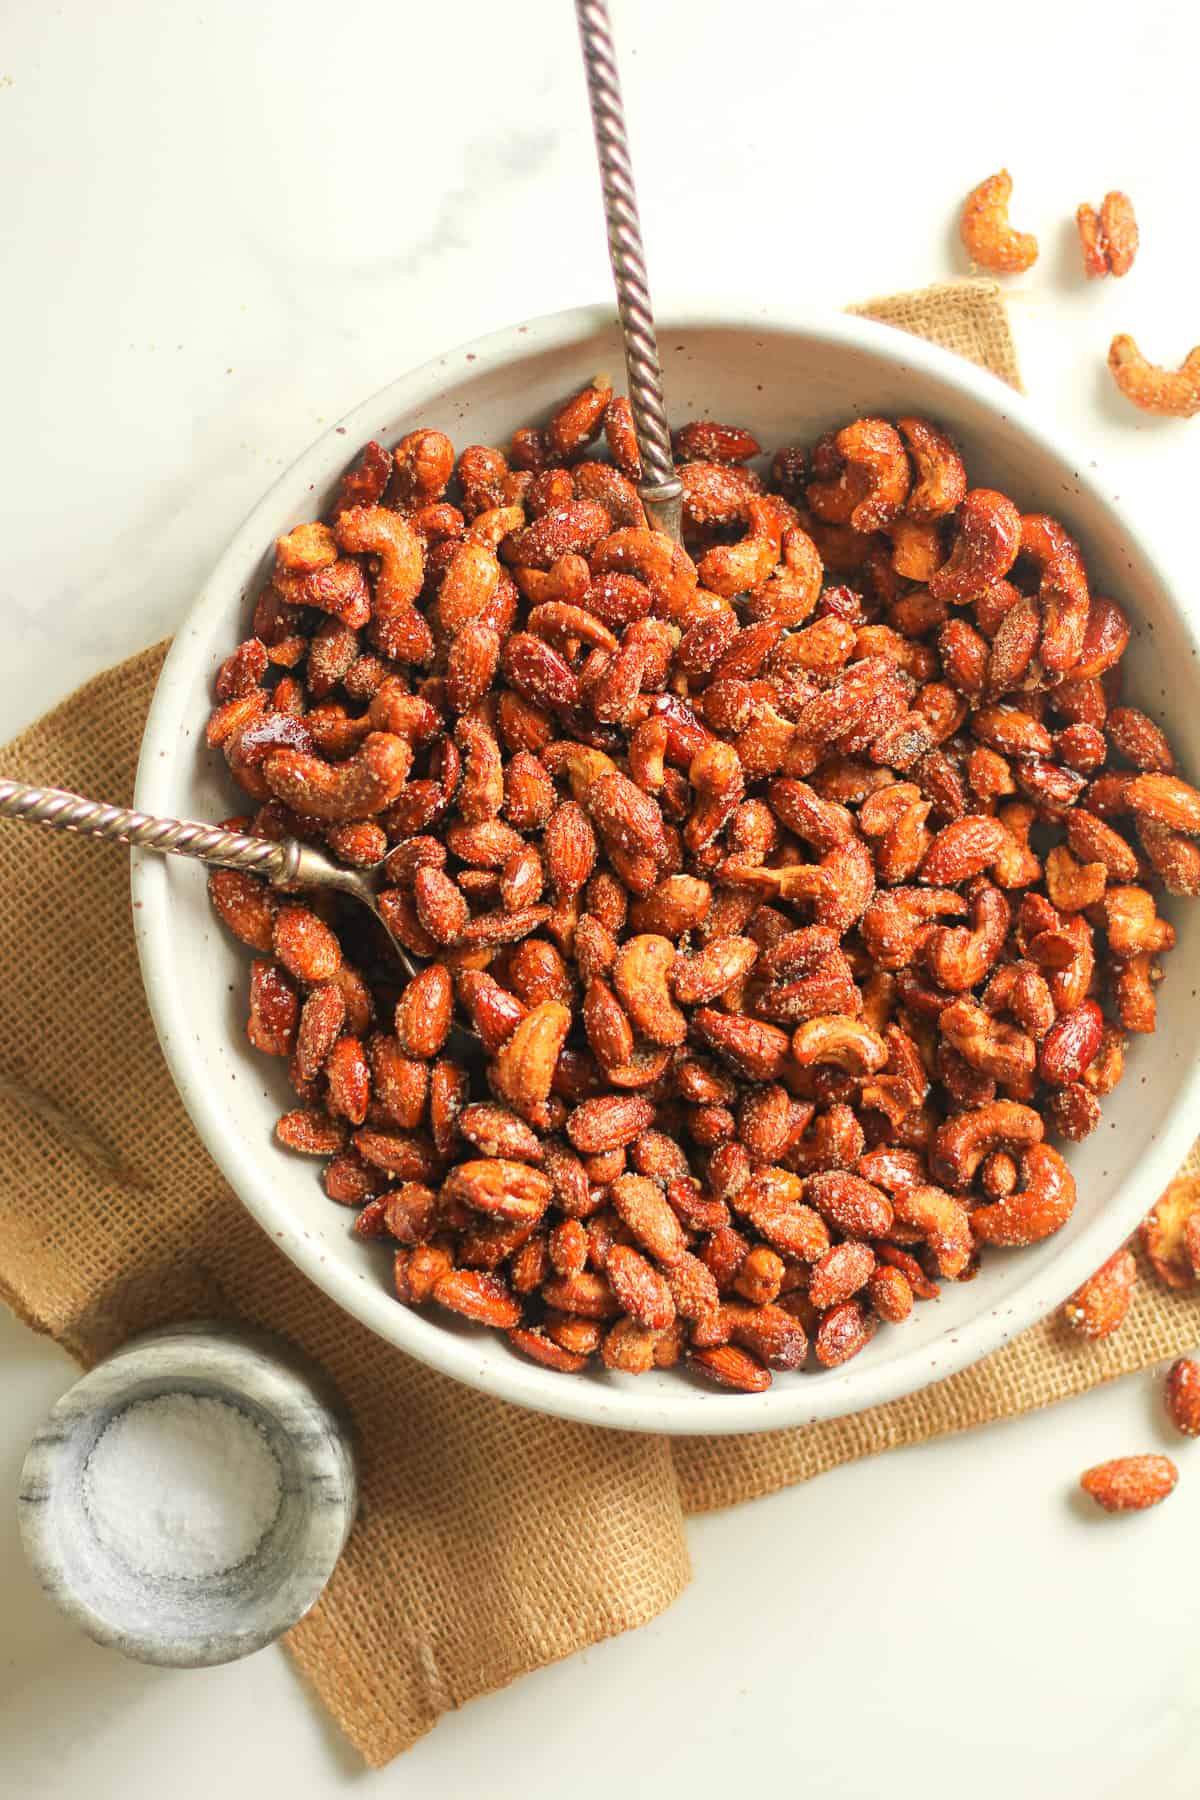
{"type": "Point", "coordinates": [806, 886]}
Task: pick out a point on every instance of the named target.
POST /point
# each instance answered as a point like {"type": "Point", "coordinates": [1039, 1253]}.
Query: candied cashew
{"type": "Point", "coordinates": [845, 1042]}
{"type": "Point", "coordinates": [641, 976]}
{"type": "Point", "coordinates": [985, 549]}
{"type": "Point", "coordinates": [960, 1145]}
{"type": "Point", "coordinates": [423, 463]}
{"type": "Point", "coordinates": [897, 923]}
{"type": "Point", "coordinates": [1073, 886]}
{"type": "Point", "coordinates": [364, 483]}
{"type": "Point", "coordinates": [896, 816]}
{"type": "Point", "coordinates": [941, 480]}
{"type": "Point", "coordinates": [1168, 1233]}
{"type": "Point", "coordinates": [1039, 1206]}
{"type": "Point", "coordinates": [944, 1223]}
{"type": "Point", "coordinates": [916, 549]}
{"type": "Point", "coordinates": [872, 487]}
{"type": "Point", "coordinates": [524, 1066]}
{"type": "Point", "coordinates": [717, 779]}
{"type": "Point", "coordinates": [960, 957]}
{"type": "Point", "coordinates": [664, 568]}
{"type": "Point", "coordinates": [732, 569]}
{"type": "Point", "coordinates": [358, 788]}
{"type": "Point", "coordinates": [1172, 392]}
{"type": "Point", "coordinates": [791, 594]}
{"type": "Point", "coordinates": [994, 1048]}
{"type": "Point", "coordinates": [986, 232]}
{"type": "Point", "coordinates": [1063, 593]}
{"type": "Point", "coordinates": [377, 531]}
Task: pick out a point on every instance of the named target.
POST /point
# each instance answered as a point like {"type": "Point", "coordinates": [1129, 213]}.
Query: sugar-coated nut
{"type": "Point", "coordinates": [1102, 1304]}
{"type": "Point", "coordinates": [1130, 1483]}
{"type": "Point", "coordinates": [1041, 1204]}
{"type": "Point", "coordinates": [1182, 1395]}
{"type": "Point", "coordinates": [1170, 1233]}
{"type": "Point", "coordinates": [1108, 238]}
{"type": "Point", "coordinates": [1174, 392]}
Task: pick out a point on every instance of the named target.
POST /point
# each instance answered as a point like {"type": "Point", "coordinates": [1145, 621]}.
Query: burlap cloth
{"type": "Point", "coordinates": [490, 1540]}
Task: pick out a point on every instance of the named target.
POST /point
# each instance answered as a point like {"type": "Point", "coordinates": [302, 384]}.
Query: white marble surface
{"type": "Point", "coordinates": [225, 223]}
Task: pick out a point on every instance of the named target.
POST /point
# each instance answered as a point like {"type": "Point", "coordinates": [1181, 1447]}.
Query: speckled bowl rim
{"type": "Point", "coordinates": [1054, 1272]}
{"type": "Point", "coordinates": [245, 1366]}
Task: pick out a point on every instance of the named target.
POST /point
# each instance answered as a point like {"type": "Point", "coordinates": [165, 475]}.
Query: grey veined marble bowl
{"type": "Point", "coordinates": [189, 1620]}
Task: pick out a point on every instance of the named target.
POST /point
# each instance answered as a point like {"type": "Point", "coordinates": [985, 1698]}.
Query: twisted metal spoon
{"type": "Point", "coordinates": [295, 866]}
{"type": "Point", "coordinates": [287, 864]}
{"type": "Point", "coordinates": [660, 490]}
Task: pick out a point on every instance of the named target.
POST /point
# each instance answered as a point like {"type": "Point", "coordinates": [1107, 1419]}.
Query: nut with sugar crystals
{"type": "Point", "coordinates": [986, 232]}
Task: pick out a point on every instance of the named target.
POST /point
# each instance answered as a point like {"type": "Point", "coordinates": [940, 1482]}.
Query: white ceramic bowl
{"type": "Point", "coordinates": [788, 378]}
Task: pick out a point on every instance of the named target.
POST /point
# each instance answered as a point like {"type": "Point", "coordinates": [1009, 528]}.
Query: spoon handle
{"type": "Point", "coordinates": [661, 490]}
{"type": "Point", "coordinates": [169, 837]}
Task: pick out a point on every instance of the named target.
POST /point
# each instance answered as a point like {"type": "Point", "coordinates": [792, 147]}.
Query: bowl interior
{"type": "Point", "coordinates": [788, 382]}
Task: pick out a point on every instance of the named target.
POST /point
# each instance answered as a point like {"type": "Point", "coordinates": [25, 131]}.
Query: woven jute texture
{"type": "Point", "coordinates": [491, 1540]}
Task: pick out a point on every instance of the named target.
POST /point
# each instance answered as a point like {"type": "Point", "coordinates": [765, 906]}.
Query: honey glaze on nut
{"type": "Point", "coordinates": [800, 881]}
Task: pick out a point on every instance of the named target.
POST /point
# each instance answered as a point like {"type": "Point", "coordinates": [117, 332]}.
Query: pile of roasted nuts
{"type": "Point", "coordinates": [800, 882]}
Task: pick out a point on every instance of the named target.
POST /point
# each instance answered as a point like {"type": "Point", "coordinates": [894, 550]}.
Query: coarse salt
{"type": "Point", "coordinates": [183, 1485]}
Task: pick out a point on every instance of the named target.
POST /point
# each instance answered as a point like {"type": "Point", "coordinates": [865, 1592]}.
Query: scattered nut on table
{"type": "Point", "coordinates": [1173, 392]}
{"type": "Point", "coordinates": [990, 239]}
{"type": "Point", "coordinates": [1130, 1483]}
